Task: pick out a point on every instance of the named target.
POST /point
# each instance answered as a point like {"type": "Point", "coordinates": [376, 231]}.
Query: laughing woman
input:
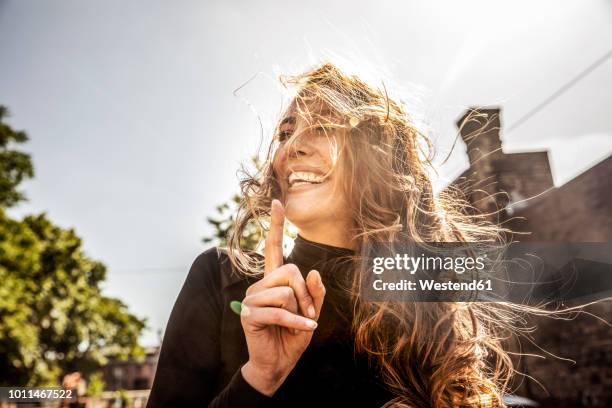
{"type": "Point", "coordinates": [345, 168]}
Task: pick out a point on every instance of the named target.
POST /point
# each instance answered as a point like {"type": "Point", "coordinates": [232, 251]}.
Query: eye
{"type": "Point", "coordinates": [284, 134]}
{"type": "Point", "coordinates": [323, 128]}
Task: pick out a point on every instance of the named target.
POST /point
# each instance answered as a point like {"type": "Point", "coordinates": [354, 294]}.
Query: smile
{"type": "Point", "coordinates": [299, 178]}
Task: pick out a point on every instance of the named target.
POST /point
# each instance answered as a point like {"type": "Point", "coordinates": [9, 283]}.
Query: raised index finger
{"type": "Point", "coordinates": [274, 239]}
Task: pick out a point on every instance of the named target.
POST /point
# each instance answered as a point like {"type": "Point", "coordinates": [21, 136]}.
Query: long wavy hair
{"type": "Point", "coordinates": [439, 354]}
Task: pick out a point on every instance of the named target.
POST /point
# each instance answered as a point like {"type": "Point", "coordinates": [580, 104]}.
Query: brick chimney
{"type": "Point", "coordinates": [480, 130]}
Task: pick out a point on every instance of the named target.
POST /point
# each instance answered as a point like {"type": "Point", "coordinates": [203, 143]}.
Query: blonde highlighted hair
{"type": "Point", "coordinates": [443, 354]}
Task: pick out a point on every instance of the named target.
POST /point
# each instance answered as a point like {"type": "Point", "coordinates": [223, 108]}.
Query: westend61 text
{"type": "Point", "coordinates": [432, 285]}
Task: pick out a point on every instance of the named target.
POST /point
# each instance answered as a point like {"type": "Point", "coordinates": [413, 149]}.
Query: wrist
{"type": "Point", "coordinates": [264, 381]}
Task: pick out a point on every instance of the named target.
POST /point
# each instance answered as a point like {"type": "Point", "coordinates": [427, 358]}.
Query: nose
{"type": "Point", "coordinates": [298, 148]}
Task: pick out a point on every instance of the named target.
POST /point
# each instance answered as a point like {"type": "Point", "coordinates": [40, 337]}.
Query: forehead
{"type": "Point", "coordinates": [301, 109]}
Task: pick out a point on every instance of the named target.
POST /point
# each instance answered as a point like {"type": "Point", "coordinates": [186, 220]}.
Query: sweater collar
{"type": "Point", "coordinates": [310, 255]}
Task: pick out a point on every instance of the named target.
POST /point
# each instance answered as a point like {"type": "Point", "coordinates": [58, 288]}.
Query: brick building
{"type": "Point", "coordinates": [132, 374]}
{"type": "Point", "coordinates": [517, 189]}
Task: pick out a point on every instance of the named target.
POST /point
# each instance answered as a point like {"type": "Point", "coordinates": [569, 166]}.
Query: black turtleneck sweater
{"type": "Point", "coordinates": [204, 346]}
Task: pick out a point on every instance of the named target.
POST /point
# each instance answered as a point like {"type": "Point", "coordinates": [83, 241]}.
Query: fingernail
{"type": "Point", "coordinates": [319, 280]}
{"type": "Point", "coordinates": [311, 312]}
{"type": "Point", "coordinates": [245, 311]}
{"type": "Point", "coordinates": [311, 323]}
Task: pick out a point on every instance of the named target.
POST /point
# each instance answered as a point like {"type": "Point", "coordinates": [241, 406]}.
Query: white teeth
{"type": "Point", "coordinates": [304, 176]}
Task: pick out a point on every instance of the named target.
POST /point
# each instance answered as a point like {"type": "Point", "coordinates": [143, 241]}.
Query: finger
{"type": "Point", "coordinates": [261, 317]}
{"type": "Point", "coordinates": [315, 286]}
{"type": "Point", "coordinates": [279, 296]}
{"type": "Point", "coordinates": [288, 275]}
{"type": "Point", "coordinates": [274, 239]}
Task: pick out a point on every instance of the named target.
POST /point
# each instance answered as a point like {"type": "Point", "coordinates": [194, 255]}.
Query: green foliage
{"type": "Point", "coordinates": [53, 316]}
{"type": "Point", "coordinates": [95, 385]}
{"type": "Point", "coordinates": [15, 166]}
{"type": "Point", "coordinates": [224, 224]}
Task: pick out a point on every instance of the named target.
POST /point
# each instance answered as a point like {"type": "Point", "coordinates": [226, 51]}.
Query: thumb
{"type": "Point", "coordinates": [315, 286]}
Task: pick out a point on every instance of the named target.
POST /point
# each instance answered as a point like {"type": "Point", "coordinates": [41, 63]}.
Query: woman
{"type": "Point", "coordinates": [346, 168]}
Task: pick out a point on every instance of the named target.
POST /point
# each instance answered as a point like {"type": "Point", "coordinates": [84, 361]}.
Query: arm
{"type": "Point", "coordinates": [189, 361]}
{"type": "Point", "coordinates": [238, 393]}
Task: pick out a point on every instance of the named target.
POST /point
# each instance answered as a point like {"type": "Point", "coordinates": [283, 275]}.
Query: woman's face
{"type": "Point", "coordinates": [308, 167]}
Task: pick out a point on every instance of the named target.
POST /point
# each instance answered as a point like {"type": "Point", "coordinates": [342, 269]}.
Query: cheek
{"type": "Point", "coordinates": [336, 194]}
{"type": "Point", "coordinates": [340, 196]}
{"type": "Point", "coordinates": [277, 163]}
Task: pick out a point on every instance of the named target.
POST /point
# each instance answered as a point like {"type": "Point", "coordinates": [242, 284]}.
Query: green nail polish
{"type": "Point", "coordinates": [236, 307]}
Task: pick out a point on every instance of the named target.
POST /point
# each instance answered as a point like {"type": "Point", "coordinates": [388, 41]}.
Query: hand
{"type": "Point", "coordinates": [276, 333]}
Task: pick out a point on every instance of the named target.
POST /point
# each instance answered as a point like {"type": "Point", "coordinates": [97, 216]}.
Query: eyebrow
{"type": "Point", "coordinates": [323, 112]}
{"type": "Point", "coordinates": [291, 120]}
{"type": "Point", "coordinates": [288, 120]}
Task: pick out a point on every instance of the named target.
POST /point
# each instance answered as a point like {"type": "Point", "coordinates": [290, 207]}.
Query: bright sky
{"type": "Point", "coordinates": [136, 133]}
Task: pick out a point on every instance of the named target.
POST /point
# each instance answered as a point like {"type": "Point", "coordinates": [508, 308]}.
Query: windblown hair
{"type": "Point", "coordinates": [438, 354]}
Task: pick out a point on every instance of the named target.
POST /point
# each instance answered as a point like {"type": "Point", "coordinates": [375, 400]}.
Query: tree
{"type": "Point", "coordinates": [15, 166]}
{"type": "Point", "coordinates": [53, 316]}
{"type": "Point", "coordinates": [225, 222]}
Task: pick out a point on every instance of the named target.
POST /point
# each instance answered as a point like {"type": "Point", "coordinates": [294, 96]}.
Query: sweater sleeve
{"type": "Point", "coordinates": [189, 360]}
{"type": "Point", "coordinates": [239, 393]}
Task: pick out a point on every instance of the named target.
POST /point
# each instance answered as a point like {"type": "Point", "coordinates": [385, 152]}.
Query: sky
{"type": "Point", "coordinates": [139, 120]}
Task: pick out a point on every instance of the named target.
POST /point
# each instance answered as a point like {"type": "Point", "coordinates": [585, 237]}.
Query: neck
{"type": "Point", "coordinates": [332, 236]}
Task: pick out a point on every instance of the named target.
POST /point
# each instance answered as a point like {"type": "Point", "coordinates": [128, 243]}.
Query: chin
{"type": "Point", "coordinates": [308, 204]}
{"type": "Point", "coordinates": [302, 213]}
